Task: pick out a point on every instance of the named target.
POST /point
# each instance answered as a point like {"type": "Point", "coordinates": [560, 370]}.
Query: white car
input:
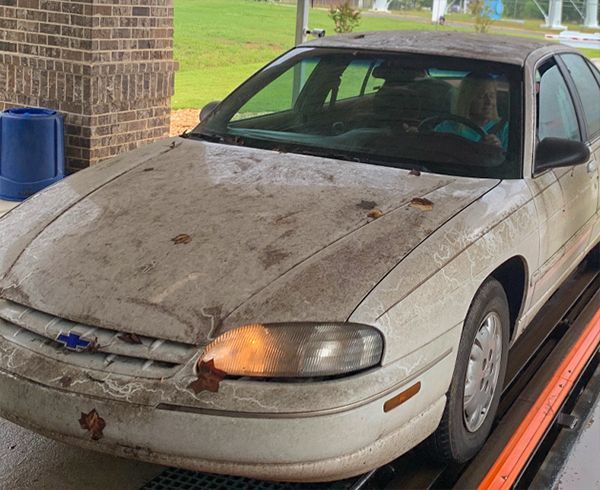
{"type": "Point", "coordinates": [328, 270]}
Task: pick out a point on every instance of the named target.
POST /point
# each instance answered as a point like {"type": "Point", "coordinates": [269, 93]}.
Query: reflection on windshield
{"type": "Point", "coordinates": [444, 115]}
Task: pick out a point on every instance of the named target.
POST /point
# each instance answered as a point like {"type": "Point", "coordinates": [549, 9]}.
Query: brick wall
{"type": "Point", "coordinates": [107, 65]}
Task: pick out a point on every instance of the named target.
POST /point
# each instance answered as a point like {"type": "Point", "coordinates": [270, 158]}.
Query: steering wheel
{"type": "Point", "coordinates": [431, 122]}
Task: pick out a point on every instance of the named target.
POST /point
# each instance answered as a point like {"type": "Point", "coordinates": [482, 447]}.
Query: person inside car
{"type": "Point", "coordinates": [477, 102]}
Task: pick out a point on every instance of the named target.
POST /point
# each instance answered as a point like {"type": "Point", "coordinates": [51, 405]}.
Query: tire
{"type": "Point", "coordinates": [467, 422]}
{"type": "Point", "coordinates": [594, 258]}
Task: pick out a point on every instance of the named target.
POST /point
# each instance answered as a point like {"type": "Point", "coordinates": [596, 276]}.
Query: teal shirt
{"type": "Point", "coordinates": [470, 134]}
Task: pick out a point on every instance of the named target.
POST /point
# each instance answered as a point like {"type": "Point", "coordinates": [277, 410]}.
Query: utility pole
{"type": "Point", "coordinates": [301, 37]}
{"type": "Point", "coordinates": [555, 15]}
{"type": "Point", "coordinates": [438, 9]}
{"type": "Point", "coordinates": [301, 21]}
{"type": "Point", "coordinates": [591, 14]}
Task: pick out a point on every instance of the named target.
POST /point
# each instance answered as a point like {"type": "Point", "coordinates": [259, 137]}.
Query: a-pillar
{"type": "Point", "coordinates": [106, 65]}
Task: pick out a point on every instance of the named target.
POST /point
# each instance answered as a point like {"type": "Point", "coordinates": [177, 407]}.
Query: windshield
{"type": "Point", "coordinates": [443, 115]}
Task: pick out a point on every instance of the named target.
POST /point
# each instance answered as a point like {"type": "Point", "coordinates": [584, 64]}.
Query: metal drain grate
{"type": "Point", "coordinates": [174, 478]}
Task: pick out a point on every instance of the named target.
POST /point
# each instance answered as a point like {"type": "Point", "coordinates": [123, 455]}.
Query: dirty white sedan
{"type": "Point", "coordinates": [327, 271]}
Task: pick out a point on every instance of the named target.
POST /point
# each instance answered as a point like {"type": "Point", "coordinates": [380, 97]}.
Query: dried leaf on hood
{"type": "Point", "coordinates": [181, 239]}
{"type": "Point", "coordinates": [130, 338]}
{"type": "Point", "coordinates": [414, 171]}
{"type": "Point", "coordinates": [375, 213]}
{"type": "Point", "coordinates": [208, 378]}
{"type": "Point", "coordinates": [93, 423]}
{"type": "Point", "coordinates": [421, 203]}
{"type": "Point", "coordinates": [93, 346]}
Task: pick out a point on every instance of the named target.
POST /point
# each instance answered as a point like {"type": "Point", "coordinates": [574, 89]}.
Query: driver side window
{"type": "Point", "coordinates": [556, 114]}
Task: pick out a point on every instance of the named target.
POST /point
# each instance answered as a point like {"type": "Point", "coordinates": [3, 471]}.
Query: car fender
{"type": "Point", "coordinates": [427, 296]}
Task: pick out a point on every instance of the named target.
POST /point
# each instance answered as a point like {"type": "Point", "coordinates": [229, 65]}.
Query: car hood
{"type": "Point", "coordinates": [200, 237]}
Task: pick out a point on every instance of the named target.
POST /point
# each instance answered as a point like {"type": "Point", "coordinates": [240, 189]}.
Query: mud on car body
{"type": "Point", "coordinates": [315, 279]}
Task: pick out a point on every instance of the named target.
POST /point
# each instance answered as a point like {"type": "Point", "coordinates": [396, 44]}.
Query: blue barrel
{"type": "Point", "coordinates": [32, 151]}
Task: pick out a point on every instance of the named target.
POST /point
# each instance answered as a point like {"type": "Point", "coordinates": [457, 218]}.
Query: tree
{"type": "Point", "coordinates": [345, 17]}
{"type": "Point", "coordinates": [481, 12]}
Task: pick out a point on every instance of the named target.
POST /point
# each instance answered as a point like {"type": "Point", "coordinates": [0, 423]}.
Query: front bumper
{"type": "Point", "coordinates": [315, 448]}
{"type": "Point", "coordinates": [280, 431]}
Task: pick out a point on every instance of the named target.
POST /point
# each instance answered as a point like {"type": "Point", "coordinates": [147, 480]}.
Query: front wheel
{"type": "Point", "coordinates": [594, 258]}
{"type": "Point", "coordinates": [474, 394]}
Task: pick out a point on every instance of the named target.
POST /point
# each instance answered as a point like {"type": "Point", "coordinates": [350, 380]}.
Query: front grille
{"type": "Point", "coordinates": [175, 478]}
{"type": "Point", "coordinates": [37, 331]}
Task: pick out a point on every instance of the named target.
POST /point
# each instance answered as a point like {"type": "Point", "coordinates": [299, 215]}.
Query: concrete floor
{"type": "Point", "coordinates": [30, 461]}
{"type": "Point", "coordinates": [581, 470]}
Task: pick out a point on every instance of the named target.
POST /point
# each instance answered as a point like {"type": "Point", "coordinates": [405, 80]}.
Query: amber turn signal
{"type": "Point", "coordinates": [402, 397]}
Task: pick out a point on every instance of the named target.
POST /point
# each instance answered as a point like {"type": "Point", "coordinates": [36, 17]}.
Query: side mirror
{"type": "Point", "coordinates": [208, 108]}
{"type": "Point", "coordinates": [558, 152]}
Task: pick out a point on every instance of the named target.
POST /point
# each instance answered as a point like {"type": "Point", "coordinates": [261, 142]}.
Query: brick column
{"type": "Point", "coordinates": [107, 66]}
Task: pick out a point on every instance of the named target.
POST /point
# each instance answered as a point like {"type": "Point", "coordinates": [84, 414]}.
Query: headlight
{"type": "Point", "coordinates": [296, 349]}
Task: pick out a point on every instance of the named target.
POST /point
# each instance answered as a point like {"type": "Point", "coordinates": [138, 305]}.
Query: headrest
{"type": "Point", "coordinates": [394, 71]}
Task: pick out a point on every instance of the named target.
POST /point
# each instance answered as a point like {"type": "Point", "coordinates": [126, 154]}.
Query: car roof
{"type": "Point", "coordinates": [504, 49]}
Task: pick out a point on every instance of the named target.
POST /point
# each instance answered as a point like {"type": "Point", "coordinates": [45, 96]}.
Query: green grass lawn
{"type": "Point", "coordinates": [219, 43]}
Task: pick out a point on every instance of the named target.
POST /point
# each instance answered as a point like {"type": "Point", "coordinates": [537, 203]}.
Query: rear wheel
{"type": "Point", "coordinates": [474, 394]}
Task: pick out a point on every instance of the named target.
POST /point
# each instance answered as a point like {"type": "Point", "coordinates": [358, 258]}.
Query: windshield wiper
{"type": "Point", "coordinates": [286, 147]}
{"type": "Point", "coordinates": [212, 137]}
{"type": "Point", "coordinates": [361, 158]}
{"type": "Point", "coordinates": [219, 138]}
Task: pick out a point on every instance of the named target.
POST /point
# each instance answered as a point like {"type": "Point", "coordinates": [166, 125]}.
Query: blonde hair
{"type": "Point", "coordinates": [471, 87]}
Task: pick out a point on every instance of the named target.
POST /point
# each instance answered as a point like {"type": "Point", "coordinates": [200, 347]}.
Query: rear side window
{"type": "Point", "coordinates": [588, 89]}
{"type": "Point", "coordinates": [556, 113]}
{"type": "Point", "coordinates": [356, 80]}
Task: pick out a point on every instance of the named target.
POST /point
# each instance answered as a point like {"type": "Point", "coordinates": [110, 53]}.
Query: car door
{"type": "Point", "coordinates": [586, 80]}
{"type": "Point", "coordinates": [596, 72]}
{"type": "Point", "coordinates": [566, 198]}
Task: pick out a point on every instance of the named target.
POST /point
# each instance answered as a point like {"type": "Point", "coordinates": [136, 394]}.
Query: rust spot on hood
{"type": "Point", "coordinates": [65, 381]}
{"type": "Point", "coordinates": [272, 256]}
{"type": "Point", "coordinates": [366, 204]}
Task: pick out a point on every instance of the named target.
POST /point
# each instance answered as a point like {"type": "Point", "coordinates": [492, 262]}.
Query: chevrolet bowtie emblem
{"type": "Point", "coordinates": [74, 342]}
